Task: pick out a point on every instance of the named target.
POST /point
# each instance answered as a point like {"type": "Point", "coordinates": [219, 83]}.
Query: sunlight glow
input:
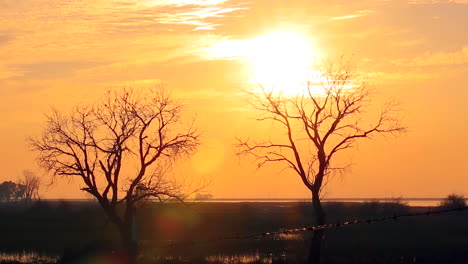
{"type": "Point", "coordinates": [209, 157]}
{"type": "Point", "coordinates": [280, 61]}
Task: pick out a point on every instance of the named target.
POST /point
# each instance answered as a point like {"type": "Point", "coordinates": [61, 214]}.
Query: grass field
{"type": "Point", "coordinates": [52, 228]}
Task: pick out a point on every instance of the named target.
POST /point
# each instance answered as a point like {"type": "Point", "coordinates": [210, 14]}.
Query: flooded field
{"type": "Point", "coordinates": [215, 233]}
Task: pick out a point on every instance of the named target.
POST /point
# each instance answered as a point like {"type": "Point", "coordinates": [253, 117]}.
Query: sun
{"type": "Point", "coordinates": [279, 61]}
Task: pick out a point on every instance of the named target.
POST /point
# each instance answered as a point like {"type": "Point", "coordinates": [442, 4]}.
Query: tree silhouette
{"type": "Point", "coordinates": [31, 183]}
{"type": "Point", "coordinates": [122, 148]}
{"type": "Point", "coordinates": [26, 189]}
{"type": "Point", "coordinates": [324, 121]}
{"type": "Point", "coordinates": [10, 191]}
{"type": "Point", "coordinates": [453, 201]}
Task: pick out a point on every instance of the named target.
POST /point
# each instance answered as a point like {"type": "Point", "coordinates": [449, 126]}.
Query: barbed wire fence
{"type": "Point", "coordinates": [263, 235]}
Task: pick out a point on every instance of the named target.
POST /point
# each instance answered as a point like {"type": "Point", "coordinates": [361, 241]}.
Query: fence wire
{"type": "Point", "coordinates": [337, 225]}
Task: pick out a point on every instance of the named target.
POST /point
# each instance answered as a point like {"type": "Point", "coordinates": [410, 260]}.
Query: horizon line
{"type": "Point", "coordinates": [289, 199]}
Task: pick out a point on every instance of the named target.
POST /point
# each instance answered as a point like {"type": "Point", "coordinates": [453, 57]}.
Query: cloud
{"type": "Point", "coordinates": [5, 38]}
{"type": "Point", "coordinates": [114, 17]}
{"type": "Point", "coordinates": [408, 42]}
{"type": "Point", "coordinates": [437, 1]}
{"type": "Point", "coordinates": [182, 2]}
{"type": "Point", "coordinates": [51, 69]}
{"type": "Point", "coordinates": [355, 15]}
{"type": "Point", "coordinates": [196, 17]}
{"type": "Point", "coordinates": [455, 58]}
{"type": "Point", "coordinates": [8, 72]}
{"type": "Point", "coordinates": [397, 76]}
{"type": "Point", "coordinates": [138, 83]}
{"type": "Point", "coordinates": [195, 14]}
{"type": "Point", "coordinates": [407, 75]}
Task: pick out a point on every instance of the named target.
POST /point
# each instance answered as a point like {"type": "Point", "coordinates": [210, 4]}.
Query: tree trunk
{"type": "Point", "coordinates": [125, 228]}
{"type": "Point", "coordinates": [317, 237]}
{"type": "Point", "coordinates": [129, 244]}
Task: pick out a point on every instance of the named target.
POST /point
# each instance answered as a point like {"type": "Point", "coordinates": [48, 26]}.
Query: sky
{"type": "Point", "coordinates": [56, 53]}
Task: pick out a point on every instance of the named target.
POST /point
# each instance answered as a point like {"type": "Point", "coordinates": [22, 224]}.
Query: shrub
{"type": "Point", "coordinates": [375, 207]}
{"type": "Point", "coordinates": [453, 201]}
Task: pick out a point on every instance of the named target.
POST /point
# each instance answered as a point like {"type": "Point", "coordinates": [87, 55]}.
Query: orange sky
{"type": "Point", "coordinates": [61, 53]}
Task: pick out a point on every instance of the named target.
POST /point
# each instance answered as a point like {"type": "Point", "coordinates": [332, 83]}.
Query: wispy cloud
{"type": "Point", "coordinates": [8, 72]}
{"type": "Point", "coordinates": [408, 42]}
{"type": "Point", "coordinates": [158, 15]}
{"type": "Point", "coordinates": [119, 16]}
{"type": "Point", "coordinates": [140, 83]}
{"type": "Point", "coordinates": [180, 2]}
{"type": "Point", "coordinates": [5, 38]}
{"type": "Point", "coordinates": [51, 69]}
{"type": "Point", "coordinates": [53, 39]}
{"type": "Point", "coordinates": [398, 76]}
{"type": "Point", "coordinates": [454, 58]}
{"type": "Point", "coordinates": [437, 1]}
{"type": "Point", "coordinates": [197, 17]}
{"type": "Point", "coordinates": [354, 15]}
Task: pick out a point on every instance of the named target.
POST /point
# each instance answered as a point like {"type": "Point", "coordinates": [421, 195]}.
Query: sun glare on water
{"type": "Point", "coordinates": [280, 62]}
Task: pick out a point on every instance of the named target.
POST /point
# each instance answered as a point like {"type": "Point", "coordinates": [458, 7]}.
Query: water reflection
{"type": "Point", "coordinates": [289, 237]}
{"type": "Point", "coordinates": [27, 257]}
{"type": "Point", "coordinates": [240, 259]}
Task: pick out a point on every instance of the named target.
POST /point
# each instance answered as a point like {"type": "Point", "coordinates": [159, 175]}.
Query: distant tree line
{"type": "Point", "coordinates": [11, 191]}
{"type": "Point", "coordinates": [27, 188]}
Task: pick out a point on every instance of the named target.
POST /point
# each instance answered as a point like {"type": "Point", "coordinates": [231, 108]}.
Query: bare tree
{"type": "Point", "coordinates": [122, 148]}
{"type": "Point", "coordinates": [324, 121]}
{"type": "Point", "coordinates": [31, 184]}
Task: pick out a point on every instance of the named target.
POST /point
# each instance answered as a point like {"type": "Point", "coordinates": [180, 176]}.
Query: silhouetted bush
{"type": "Point", "coordinates": [376, 207]}
{"type": "Point", "coordinates": [453, 201]}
